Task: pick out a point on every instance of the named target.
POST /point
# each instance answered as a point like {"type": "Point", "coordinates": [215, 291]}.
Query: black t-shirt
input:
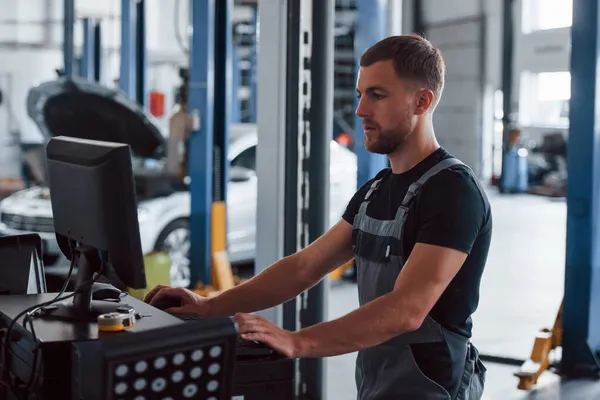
{"type": "Point", "coordinates": [450, 211]}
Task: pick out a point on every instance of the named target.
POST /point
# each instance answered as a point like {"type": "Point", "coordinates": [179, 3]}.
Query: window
{"type": "Point", "coordinates": [539, 15]}
{"type": "Point", "coordinates": [544, 99]}
{"type": "Point", "coordinates": [246, 159]}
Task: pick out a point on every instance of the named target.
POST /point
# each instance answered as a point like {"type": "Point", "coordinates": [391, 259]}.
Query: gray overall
{"type": "Point", "coordinates": [388, 370]}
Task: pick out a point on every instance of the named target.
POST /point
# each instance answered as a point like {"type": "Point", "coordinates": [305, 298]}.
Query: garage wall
{"type": "Point", "coordinates": [469, 34]}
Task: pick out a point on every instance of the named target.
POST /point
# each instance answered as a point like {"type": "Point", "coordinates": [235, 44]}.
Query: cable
{"type": "Point", "coordinates": [29, 314]}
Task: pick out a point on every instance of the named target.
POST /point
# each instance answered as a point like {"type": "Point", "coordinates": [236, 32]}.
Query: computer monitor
{"type": "Point", "coordinates": [21, 267]}
{"type": "Point", "coordinates": [95, 217]}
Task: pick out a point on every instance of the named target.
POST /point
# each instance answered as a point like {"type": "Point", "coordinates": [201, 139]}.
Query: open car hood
{"type": "Point", "coordinates": [78, 108]}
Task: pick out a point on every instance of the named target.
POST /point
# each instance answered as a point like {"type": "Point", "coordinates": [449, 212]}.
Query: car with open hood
{"type": "Point", "coordinates": [83, 109]}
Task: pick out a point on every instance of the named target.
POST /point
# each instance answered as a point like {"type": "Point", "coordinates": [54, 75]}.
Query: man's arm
{"type": "Point", "coordinates": [446, 235]}
{"type": "Point", "coordinates": [427, 273]}
{"type": "Point", "coordinates": [288, 277]}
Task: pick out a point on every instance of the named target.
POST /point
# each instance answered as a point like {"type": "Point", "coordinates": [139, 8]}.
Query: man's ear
{"type": "Point", "coordinates": [424, 99]}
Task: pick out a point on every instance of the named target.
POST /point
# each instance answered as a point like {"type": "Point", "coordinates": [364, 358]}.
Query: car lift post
{"type": "Point", "coordinates": [68, 40]}
{"type": "Point", "coordinates": [295, 101]}
{"type": "Point", "coordinates": [581, 327]}
{"type": "Point", "coordinates": [200, 149]}
{"type": "Point", "coordinates": [221, 275]}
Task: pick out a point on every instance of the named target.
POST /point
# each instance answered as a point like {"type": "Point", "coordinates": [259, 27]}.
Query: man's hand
{"type": "Point", "coordinates": [259, 329]}
{"type": "Point", "coordinates": [189, 302]}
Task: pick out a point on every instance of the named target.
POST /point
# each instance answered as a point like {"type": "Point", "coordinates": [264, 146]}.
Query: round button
{"type": "Point", "coordinates": [197, 355]}
{"type": "Point", "coordinates": [196, 373]}
{"type": "Point", "coordinates": [121, 370]}
{"type": "Point", "coordinates": [140, 384]}
{"type": "Point", "coordinates": [121, 388]}
{"type": "Point", "coordinates": [159, 384]}
{"type": "Point", "coordinates": [212, 386]}
{"type": "Point", "coordinates": [141, 367]}
{"type": "Point", "coordinates": [139, 398]}
{"type": "Point", "coordinates": [215, 351]}
{"type": "Point", "coordinates": [212, 398]}
{"type": "Point", "coordinates": [214, 369]}
{"type": "Point", "coordinates": [177, 376]}
{"type": "Point", "coordinates": [190, 391]}
{"type": "Point", "coordinates": [160, 363]}
{"type": "Point", "coordinates": [178, 359]}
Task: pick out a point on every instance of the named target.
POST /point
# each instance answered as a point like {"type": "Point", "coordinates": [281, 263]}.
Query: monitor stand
{"type": "Point", "coordinates": [83, 308]}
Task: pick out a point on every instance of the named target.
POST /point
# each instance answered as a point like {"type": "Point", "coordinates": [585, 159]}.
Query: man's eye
{"type": "Point", "coordinates": [378, 96]}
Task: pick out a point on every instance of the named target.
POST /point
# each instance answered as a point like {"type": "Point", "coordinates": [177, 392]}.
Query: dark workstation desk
{"type": "Point", "coordinates": [59, 374]}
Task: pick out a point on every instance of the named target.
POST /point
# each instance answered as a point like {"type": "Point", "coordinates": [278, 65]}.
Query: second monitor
{"type": "Point", "coordinates": [95, 218]}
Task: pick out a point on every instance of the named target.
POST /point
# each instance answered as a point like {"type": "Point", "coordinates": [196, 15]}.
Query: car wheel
{"type": "Point", "coordinates": [175, 240]}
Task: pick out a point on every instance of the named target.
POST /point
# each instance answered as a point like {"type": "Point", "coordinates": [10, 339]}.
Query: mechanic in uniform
{"type": "Point", "coordinates": [419, 233]}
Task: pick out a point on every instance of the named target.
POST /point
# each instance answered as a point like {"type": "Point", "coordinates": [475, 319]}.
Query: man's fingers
{"type": "Point", "coordinates": [252, 327]}
{"type": "Point", "coordinates": [255, 336]}
{"type": "Point", "coordinates": [153, 292]}
{"type": "Point", "coordinates": [166, 292]}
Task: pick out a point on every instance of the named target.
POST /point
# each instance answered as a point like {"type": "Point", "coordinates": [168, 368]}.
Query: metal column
{"type": "Point", "coordinates": [127, 76]}
{"type": "Point", "coordinates": [295, 96]}
{"type": "Point", "coordinates": [68, 41]}
{"type": "Point", "coordinates": [371, 27]}
{"type": "Point", "coordinates": [270, 151]}
{"type": "Point", "coordinates": [320, 129]}
{"type": "Point", "coordinates": [200, 150]}
{"type": "Point", "coordinates": [140, 52]}
{"type": "Point", "coordinates": [581, 318]}
{"type": "Point", "coordinates": [87, 57]}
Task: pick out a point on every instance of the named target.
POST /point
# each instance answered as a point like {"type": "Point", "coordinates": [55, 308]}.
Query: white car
{"type": "Point", "coordinates": [88, 110]}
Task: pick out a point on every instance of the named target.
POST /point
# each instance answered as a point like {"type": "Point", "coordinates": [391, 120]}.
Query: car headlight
{"type": "Point", "coordinates": [142, 214]}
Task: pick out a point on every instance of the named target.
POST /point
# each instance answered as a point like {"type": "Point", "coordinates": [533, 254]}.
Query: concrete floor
{"type": "Point", "coordinates": [520, 293]}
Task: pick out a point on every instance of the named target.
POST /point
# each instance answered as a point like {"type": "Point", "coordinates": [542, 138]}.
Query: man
{"type": "Point", "coordinates": [419, 233]}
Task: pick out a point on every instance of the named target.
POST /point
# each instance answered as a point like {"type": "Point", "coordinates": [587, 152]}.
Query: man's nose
{"type": "Point", "coordinates": [362, 109]}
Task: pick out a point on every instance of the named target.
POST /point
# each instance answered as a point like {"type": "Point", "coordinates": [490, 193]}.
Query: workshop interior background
{"type": "Point", "coordinates": [516, 145]}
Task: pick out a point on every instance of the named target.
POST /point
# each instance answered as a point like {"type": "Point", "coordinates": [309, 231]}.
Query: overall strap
{"type": "Point", "coordinates": [362, 211]}
{"type": "Point", "coordinates": [414, 187]}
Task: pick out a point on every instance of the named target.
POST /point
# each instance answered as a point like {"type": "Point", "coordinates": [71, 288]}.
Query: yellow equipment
{"type": "Point", "coordinates": [115, 322]}
{"type": "Point", "coordinates": [546, 341]}
{"type": "Point", "coordinates": [337, 273]}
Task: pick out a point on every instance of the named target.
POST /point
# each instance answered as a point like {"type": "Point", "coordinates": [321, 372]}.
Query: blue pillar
{"type": "Point", "coordinates": [140, 54]}
{"type": "Point", "coordinates": [253, 60]}
{"type": "Point", "coordinates": [127, 80]}
{"type": "Point", "coordinates": [371, 27]}
{"type": "Point", "coordinates": [235, 86]}
{"type": "Point", "coordinates": [581, 308]}
{"type": "Point", "coordinates": [68, 43]}
{"type": "Point", "coordinates": [87, 56]}
{"type": "Point", "coordinates": [200, 150]}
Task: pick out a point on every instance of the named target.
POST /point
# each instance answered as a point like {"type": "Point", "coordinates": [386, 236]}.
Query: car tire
{"type": "Point", "coordinates": [175, 240]}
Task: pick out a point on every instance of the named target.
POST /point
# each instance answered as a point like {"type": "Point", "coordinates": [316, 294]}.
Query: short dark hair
{"type": "Point", "coordinates": [414, 58]}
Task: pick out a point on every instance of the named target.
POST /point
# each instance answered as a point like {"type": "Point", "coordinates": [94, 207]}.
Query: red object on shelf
{"type": "Point", "coordinates": [157, 103]}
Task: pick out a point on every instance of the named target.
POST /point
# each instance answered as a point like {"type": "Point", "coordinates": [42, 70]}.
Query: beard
{"type": "Point", "coordinates": [387, 141]}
